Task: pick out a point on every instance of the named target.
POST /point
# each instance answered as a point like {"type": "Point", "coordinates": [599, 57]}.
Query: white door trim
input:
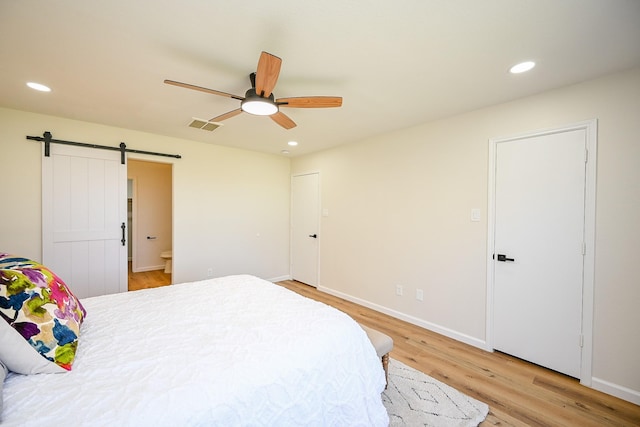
{"type": "Point", "coordinates": [591, 129]}
{"type": "Point", "coordinates": [134, 222]}
{"type": "Point", "coordinates": [175, 266]}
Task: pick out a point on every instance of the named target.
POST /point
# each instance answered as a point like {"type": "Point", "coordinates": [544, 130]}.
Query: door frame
{"type": "Point", "coordinates": [591, 130]}
{"type": "Point", "coordinates": [293, 176]}
{"type": "Point", "coordinates": [134, 220]}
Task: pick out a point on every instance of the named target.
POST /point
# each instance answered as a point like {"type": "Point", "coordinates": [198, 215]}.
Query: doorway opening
{"type": "Point", "coordinates": [150, 207]}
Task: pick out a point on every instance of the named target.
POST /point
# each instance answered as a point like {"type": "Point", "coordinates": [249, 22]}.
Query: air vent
{"type": "Point", "coordinates": [204, 124]}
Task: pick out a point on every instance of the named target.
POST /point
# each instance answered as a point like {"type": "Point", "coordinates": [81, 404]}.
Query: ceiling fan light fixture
{"type": "Point", "coordinates": [260, 100]}
{"type": "Point", "coordinates": [257, 105]}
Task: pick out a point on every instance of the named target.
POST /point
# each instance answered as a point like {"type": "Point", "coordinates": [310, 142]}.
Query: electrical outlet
{"type": "Point", "coordinates": [419, 295]}
{"type": "Point", "coordinates": [210, 272]}
{"type": "Point", "coordinates": [399, 290]}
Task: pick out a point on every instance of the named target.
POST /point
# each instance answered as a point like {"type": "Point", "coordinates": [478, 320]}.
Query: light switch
{"type": "Point", "coordinates": [475, 215]}
{"type": "Point", "coordinates": [325, 212]}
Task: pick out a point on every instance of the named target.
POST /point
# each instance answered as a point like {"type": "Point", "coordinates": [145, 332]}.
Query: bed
{"type": "Point", "coordinates": [222, 352]}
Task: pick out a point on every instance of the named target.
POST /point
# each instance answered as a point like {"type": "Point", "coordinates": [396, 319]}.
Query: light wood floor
{"type": "Point", "coordinates": [518, 393]}
{"type": "Point", "coordinates": [148, 279]}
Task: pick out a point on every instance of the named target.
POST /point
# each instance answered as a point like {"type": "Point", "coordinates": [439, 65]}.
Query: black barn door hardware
{"type": "Point", "coordinates": [123, 240]}
{"type": "Point", "coordinates": [47, 139]}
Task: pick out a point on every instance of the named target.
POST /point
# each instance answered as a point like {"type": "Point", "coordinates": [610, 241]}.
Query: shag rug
{"type": "Point", "coordinates": [415, 399]}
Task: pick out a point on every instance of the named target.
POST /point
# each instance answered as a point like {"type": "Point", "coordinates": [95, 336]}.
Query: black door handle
{"type": "Point", "coordinates": [123, 240]}
{"type": "Point", "coordinates": [315, 236]}
{"type": "Point", "coordinates": [504, 258]}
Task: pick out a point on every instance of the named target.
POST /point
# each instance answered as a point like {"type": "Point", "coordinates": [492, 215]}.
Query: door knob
{"type": "Point", "coordinates": [504, 258]}
{"type": "Point", "coordinates": [315, 236]}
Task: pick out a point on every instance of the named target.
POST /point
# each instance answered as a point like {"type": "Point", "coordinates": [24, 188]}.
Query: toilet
{"type": "Point", "coordinates": [167, 255]}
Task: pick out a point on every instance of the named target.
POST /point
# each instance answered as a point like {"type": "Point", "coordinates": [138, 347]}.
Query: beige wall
{"type": "Point", "coordinates": [230, 207]}
{"type": "Point", "coordinates": [152, 189]}
{"type": "Point", "coordinates": [399, 213]}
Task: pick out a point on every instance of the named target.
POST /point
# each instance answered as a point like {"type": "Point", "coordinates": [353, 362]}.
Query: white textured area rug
{"type": "Point", "coordinates": [415, 399]}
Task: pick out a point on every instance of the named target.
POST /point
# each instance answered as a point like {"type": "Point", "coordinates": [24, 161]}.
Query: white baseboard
{"type": "Point", "coordinates": [279, 279]}
{"type": "Point", "coordinates": [413, 320]}
{"type": "Point", "coordinates": [616, 390]}
{"type": "Point", "coordinates": [150, 268]}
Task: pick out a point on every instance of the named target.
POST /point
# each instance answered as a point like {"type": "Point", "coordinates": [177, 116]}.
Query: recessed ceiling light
{"type": "Point", "coordinates": [38, 86]}
{"type": "Point", "coordinates": [285, 152]}
{"type": "Point", "coordinates": [292, 143]}
{"type": "Point", "coordinates": [522, 67]}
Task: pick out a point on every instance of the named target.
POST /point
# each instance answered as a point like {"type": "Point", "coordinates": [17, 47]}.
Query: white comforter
{"type": "Point", "coordinates": [235, 351]}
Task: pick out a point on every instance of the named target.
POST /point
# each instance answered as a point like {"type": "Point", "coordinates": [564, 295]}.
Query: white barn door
{"type": "Point", "coordinates": [84, 195]}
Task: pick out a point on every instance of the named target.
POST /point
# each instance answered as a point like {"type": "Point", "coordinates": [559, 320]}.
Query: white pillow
{"type": "Point", "coordinates": [3, 374]}
{"type": "Point", "coordinates": [20, 355]}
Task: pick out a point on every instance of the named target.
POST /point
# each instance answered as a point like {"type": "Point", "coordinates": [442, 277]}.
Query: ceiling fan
{"type": "Point", "coordinates": [260, 101]}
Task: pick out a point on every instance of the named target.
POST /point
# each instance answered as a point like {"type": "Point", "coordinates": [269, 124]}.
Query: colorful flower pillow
{"type": "Point", "coordinates": [39, 318]}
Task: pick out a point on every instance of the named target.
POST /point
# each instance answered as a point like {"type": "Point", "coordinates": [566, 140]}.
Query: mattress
{"type": "Point", "coordinates": [222, 352]}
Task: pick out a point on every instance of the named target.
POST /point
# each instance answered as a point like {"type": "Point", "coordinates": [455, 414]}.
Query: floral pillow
{"type": "Point", "coordinates": [39, 318]}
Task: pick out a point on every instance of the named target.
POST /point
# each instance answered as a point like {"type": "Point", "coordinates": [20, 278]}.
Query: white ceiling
{"type": "Point", "coordinates": [395, 63]}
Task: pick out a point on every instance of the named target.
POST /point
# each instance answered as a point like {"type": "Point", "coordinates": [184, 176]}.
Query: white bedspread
{"type": "Point", "coordinates": [235, 351]}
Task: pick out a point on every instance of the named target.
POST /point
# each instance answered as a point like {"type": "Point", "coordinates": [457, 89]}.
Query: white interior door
{"type": "Point", "coordinates": [305, 202]}
{"type": "Point", "coordinates": [84, 195]}
{"type": "Point", "coordinates": [539, 247]}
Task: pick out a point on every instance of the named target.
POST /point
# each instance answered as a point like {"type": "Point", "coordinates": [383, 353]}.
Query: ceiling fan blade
{"type": "Point", "coordinates": [226, 116]}
{"type": "Point", "coordinates": [203, 89]}
{"type": "Point", "coordinates": [267, 73]}
{"type": "Point", "coordinates": [283, 120]}
{"type": "Point", "coordinates": [311, 102]}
